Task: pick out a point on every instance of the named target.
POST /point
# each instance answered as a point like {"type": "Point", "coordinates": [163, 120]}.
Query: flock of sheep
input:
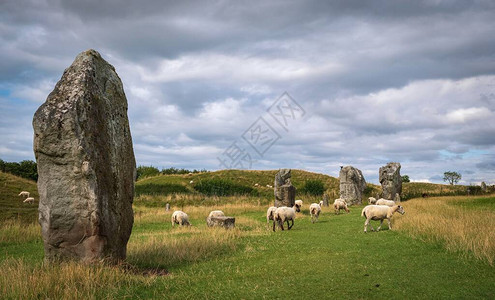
{"type": "Point", "coordinates": [28, 199]}
{"type": "Point", "coordinates": [378, 210]}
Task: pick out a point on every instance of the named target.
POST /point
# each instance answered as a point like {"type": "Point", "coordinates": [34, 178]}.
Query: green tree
{"type": "Point", "coordinates": [405, 178]}
{"type": "Point", "coordinates": [452, 177]}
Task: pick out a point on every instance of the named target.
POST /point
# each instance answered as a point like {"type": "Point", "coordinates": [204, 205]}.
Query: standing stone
{"type": "Point", "coordinates": [325, 199]}
{"type": "Point", "coordinates": [285, 192]}
{"type": "Point", "coordinates": [223, 221]}
{"type": "Point", "coordinates": [167, 207]}
{"type": "Point", "coordinates": [483, 186]}
{"type": "Point", "coordinates": [352, 185]}
{"type": "Point", "coordinates": [397, 198]}
{"type": "Point", "coordinates": [390, 180]}
{"type": "Point", "coordinates": [86, 165]}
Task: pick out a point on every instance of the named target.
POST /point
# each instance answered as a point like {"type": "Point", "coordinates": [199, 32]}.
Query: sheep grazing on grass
{"type": "Point", "coordinates": [321, 203]}
{"type": "Point", "coordinates": [24, 194]}
{"type": "Point", "coordinates": [314, 210]}
{"type": "Point", "coordinates": [29, 200]}
{"type": "Point", "coordinates": [216, 214]}
{"type": "Point", "coordinates": [339, 204]}
{"type": "Point", "coordinates": [382, 201]}
{"type": "Point", "coordinates": [297, 207]}
{"type": "Point", "coordinates": [299, 202]}
{"type": "Point", "coordinates": [372, 200]}
{"type": "Point", "coordinates": [256, 185]}
{"type": "Point", "coordinates": [181, 218]}
{"type": "Point", "coordinates": [284, 214]}
{"type": "Point", "coordinates": [269, 214]}
{"type": "Point", "coordinates": [380, 212]}
{"type": "Point", "coordinates": [191, 182]}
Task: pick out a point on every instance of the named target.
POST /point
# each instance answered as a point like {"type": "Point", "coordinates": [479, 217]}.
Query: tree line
{"type": "Point", "coordinates": [25, 169]}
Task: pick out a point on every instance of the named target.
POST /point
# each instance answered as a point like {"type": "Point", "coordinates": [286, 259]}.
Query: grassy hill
{"type": "Point", "coordinates": [11, 205]}
{"type": "Point", "coordinates": [170, 184]}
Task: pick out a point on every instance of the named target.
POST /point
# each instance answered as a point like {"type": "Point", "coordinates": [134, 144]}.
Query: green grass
{"type": "Point", "coordinates": [11, 205]}
{"type": "Point", "coordinates": [332, 258]}
{"type": "Point", "coordinates": [477, 203]}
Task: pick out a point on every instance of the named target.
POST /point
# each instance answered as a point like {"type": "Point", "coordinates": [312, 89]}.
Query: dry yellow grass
{"type": "Point", "coordinates": [459, 228]}
{"type": "Point", "coordinates": [15, 231]}
{"type": "Point", "coordinates": [20, 280]}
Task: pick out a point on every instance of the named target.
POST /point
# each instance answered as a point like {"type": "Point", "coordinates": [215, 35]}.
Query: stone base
{"type": "Point", "coordinates": [225, 222]}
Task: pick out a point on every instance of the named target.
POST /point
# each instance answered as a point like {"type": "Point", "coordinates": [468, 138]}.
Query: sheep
{"type": "Point", "coordinates": [321, 203]}
{"type": "Point", "coordinates": [284, 214]}
{"type": "Point", "coordinates": [24, 193]}
{"type": "Point", "coordinates": [256, 185]}
{"type": "Point", "coordinates": [269, 186]}
{"type": "Point", "coordinates": [299, 202]}
{"type": "Point", "coordinates": [269, 214]}
{"type": "Point", "coordinates": [28, 200]}
{"type": "Point", "coordinates": [380, 212]}
{"type": "Point", "coordinates": [371, 200]}
{"type": "Point", "coordinates": [297, 207]}
{"type": "Point", "coordinates": [191, 182]}
{"type": "Point", "coordinates": [339, 204]}
{"type": "Point", "coordinates": [314, 210]}
{"type": "Point", "coordinates": [181, 218]}
{"type": "Point", "coordinates": [382, 201]}
{"type": "Point", "coordinates": [216, 214]}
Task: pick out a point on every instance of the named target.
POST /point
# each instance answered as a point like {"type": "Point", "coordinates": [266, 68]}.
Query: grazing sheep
{"type": "Point", "coordinates": [339, 204]}
{"type": "Point", "coordinates": [284, 214]}
{"type": "Point", "coordinates": [181, 218]}
{"type": "Point", "coordinates": [29, 200]}
{"type": "Point", "coordinates": [371, 200]}
{"type": "Point", "coordinates": [269, 214]}
{"type": "Point", "coordinates": [321, 203]}
{"type": "Point", "coordinates": [314, 210]}
{"type": "Point", "coordinates": [191, 182]}
{"type": "Point", "coordinates": [216, 213]}
{"type": "Point", "coordinates": [380, 212]}
{"type": "Point", "coordinates": [256, 185]}
{"type": "Point", "coordinates": [299, 202]}
{"type": "Point", "coordinates": [269, 186]}
{"type": "Point", "coordinates": [382, 201]}
{"type": "Point", "coordinates": [24, 193]}
{"type": "Point", "coordinates": [297, 207]}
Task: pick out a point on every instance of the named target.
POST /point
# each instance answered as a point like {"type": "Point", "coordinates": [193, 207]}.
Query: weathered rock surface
{"type": "Point", "coordinates": [285, 192]}
{"type": "Point", "coordinates": [352, 185]}
{"type": "Point", "coordinates": [225, 222]}
{"type": "Point", "coordinates": [483, 186]}
{"type": "Point", "coordinates": [86, 165]}
{"type": "Point", "coordinates": [397, 198]}
{"type": "Point", "coordinates": [390, 180]}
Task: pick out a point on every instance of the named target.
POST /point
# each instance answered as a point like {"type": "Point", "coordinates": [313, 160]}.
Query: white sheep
{"type": "Point", "coordinates": [297, 207]}
{"type": "Point", "coordinates": [216, 213]}
{"type": "Point", "coordinates": [321, 203]}
{"type": "Point", "coordinates": [339, 204]}
{"type": "Point", "coordinates": [284, 214]}
{"type": "Point", "coordinates": [256, 185]}
{"type": "Point", "coordinates": [382, 201]}
{"type": "Point", "coordinates": [299, 202]}
{"type": "Point", "coordinates": [371, 200]}
{"type": "Point", "coordinates": [314, 210]}
{"type": "Point", "coordinates": [181, 218]}
{"type": "Point", "coordinates": [24, 193]}
{"type": "Point", "coordinates": [380, 212]}
{"type": "Point", "coordinates": [269, 214]}
{"type": "Point", "coordinates": [29, 200]}
{"type": "Point", "coordinates": [191, 182]}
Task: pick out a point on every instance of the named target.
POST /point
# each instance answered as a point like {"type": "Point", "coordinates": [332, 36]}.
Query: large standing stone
{"type": "Point", "coordinates": [352, 185]}
{"type": "Point", "coordinates": [285, 192]}
{"type": "Point", "coordinates": [483, 186]}
{"type": "Point", "coordinates": [390, 180]}
{"type": "Point", "coordinates": [86, 164]}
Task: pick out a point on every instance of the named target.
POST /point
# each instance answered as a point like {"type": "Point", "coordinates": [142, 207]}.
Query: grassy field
{"type": "Point", "coordinates": [11, 205]}
{"type": "Point", "coordinates": [332, 258]}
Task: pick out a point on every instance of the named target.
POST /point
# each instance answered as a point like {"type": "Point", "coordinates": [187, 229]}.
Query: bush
{"type": "Point", "coordinates": [25, 169]}
{"type": "Point", "coordinates": [405, 178]}
{"type": "Point", "coordinates": [146, 171]}
{"type": "Point", "coordinates": [159, 189]}
{"type": "Point", "coordinates": [313, 187]}
{"type": "Point", "coordinates": [221, 187]}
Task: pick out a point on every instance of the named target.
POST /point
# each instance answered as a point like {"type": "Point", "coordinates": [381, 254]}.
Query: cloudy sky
{"type": "Point", "coordinates": [412, 82]}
